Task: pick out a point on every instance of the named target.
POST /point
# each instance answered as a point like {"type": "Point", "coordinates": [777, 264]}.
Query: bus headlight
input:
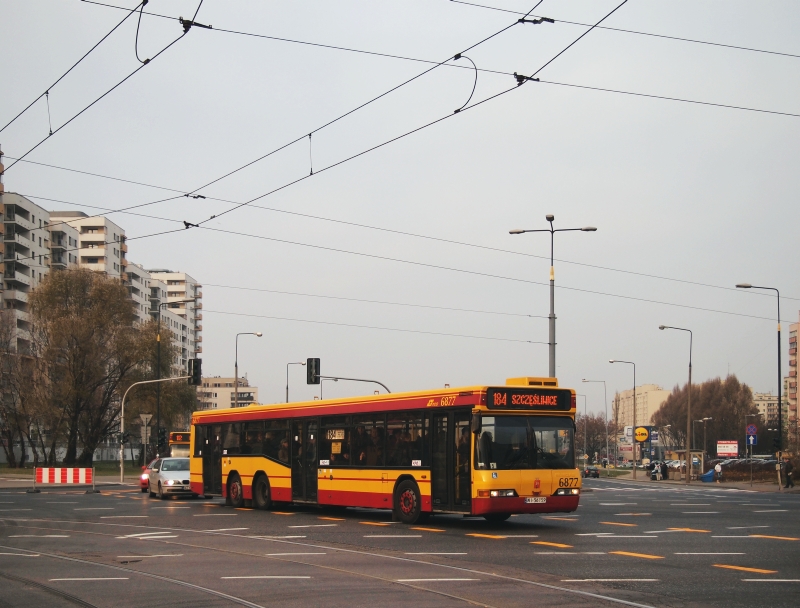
{"type": "Point", "coordinates": [496, 493]}
{"type": "Point", "coordinates": [567, 492]}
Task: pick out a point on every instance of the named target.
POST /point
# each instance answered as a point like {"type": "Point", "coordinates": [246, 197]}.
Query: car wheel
{"type": "Point", "coordinates": [235, 492]}
{"type": "Point", "coordinates": [161, 494]}
{"type": "Point", "coordinates": [152, 494]}
{"type": "Point", "coordinates": [144, 490]}
{"type": "Point", "coordinates": [407, 502]}
{"type": "Point", "coordinates": [261, 493]}
{"type": "Point", "coordinates": [496, 518]}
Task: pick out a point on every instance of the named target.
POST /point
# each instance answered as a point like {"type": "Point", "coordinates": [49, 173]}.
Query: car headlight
{"type": "Point", "coordinates": [170, 482]}
{"type": "Point", "coordinates": [144, 475]}
{"type": "Point", "coordinates": [567, 492]}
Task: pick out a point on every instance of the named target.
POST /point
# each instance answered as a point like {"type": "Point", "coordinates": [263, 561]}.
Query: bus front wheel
{"type": "Point", "coordinates": [408, 504]}
{"type": "Point", "coordinates": [261, 493]}
{"type": "Point", "coordinates": [235, 492]}
{"type": "Point", "coordinates": [496, 518]}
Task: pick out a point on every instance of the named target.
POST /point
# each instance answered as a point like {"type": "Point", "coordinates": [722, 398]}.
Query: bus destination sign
{"type": "Point", "coordinates": [529, 399]}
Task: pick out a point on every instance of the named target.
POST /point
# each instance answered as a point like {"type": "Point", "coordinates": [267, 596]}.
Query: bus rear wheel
{"type": "Point", "coordinates": [261, 493]}
{"type": "Point", "coordinates": [407, 502]}
{"type": "Point", "coordinates": [235, 492]}
{"type": "Point", "coordinates": [496, 518]}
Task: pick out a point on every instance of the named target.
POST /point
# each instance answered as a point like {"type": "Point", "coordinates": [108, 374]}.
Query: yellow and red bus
{"type": "Point", "coordinates": [479, 450]}
{"type": "Point", "coordinates": [179, 444]}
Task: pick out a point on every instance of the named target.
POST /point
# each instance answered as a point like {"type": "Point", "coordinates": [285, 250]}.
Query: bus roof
{"type": "Point", "coordinates": [474, 396]}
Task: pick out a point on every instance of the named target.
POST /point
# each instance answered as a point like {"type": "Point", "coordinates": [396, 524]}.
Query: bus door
{"type": "Point", "coordinates": [451, 486]}
{"type": "Point", "coordinates": [304, 460]}
{"type": "Point", "coordinates": [212, 460]}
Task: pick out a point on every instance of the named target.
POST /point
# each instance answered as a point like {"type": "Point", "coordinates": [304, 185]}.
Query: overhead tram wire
{"type": "Point", "coordinates": [377, 228]}
{"type": "Point", "coordinates": [142, 65]}
{"type": "Point", "coordinates": [626, 31]}
{"type": "Point", "coordinates": [74, 65]}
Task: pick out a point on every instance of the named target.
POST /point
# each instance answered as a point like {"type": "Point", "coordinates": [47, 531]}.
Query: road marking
{"type": "Point", "coordinates": [771, 580]}
{"type": "Point", "coordinates": [279, 513]}
{"type": "Point", "coordinates": [477, 535]}
{"type": "Point", "coordinates": [569, 552]}
{"type": "Point", "coordinates": [332, 518]}
{"type": "Point", "coordinates": [614, 523]}
{"type": "Point", "coordinates": [213, 514]}
{"type": "Point", "coordinates": [730, 536]}
{"type": "Point", "coordinates": [642, 555]}
{"type": "Point", "coordinates": [393, 536]}
{"type": "Point", "coordinates": [39, 536]}
{"type": "Point", "coordinates": [269, 577]}
{"type": "Point", "coordinates": [435, 553]}
{"type": "Point", "coordinates": [688, 530]}
{"type": "Point", "coordinates": [690, 504]}
{"type": "Point", "coordinates": [633, 514]}
{"type": "Point", "coordinates": [772, 511]}
{"type": "Point", "coordinates": [143, 556]}
{"type": "Point", "coordinates": [699, 512]}
{"type": "Point", "coordinates": [188, 508]}
{"type": "Point", "coordinates": [560, 518]}
{"type": "Point", "coordinates": [156, 537]}
{"type": "Point", "coordinates": [616, 504]}
{"type": "Point", "coordinates": [91, 579]}
{"type": "Point", "coordinates": [223, 530]}
{"type": "Point", "coordinates": [141, 534]}
{"type": "Point", "coordinates": [283, 554]}
{"type": "Point", "coordinates": [74, 502]}
{"type": "Point", "coordinates": [521, 536]}
{"type": "Point", "coordinates": [275, 537]}
{"type": "Point", "coordinates": [548, 544]}
{"type": "Point", "coordinates": [745, 527]}
{"type": "Point", "coordinates": [119, 516]}
{"type": "Point", "coordinates": [743, 569]}
{"type": "Point", "coordinates": [89, 509]}
{"type": "Point", "coordinates": [609, 580]}
{"type": "Point", "coordinates": [434, 580]}
{"type": "Point", "coordinates": [22, 554]}
{"type": "Point", "coordinates": [711, 554]}
{"type": "Point", "coordinates": [316, 526]}
{"type": "Point", "coordinates": [775, 537]}
{"type": "Point", "coordinates": [429, 529]}
{"type": "Point", "coordinates": [602, 536]}
{"type": "Point", "coordinates": [374, 523]}
{"type": "Point", "coordinates": [595, 534]}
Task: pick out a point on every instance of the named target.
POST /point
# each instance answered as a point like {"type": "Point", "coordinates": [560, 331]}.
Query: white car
{"type": "Point", "coordinates": [169, 476]}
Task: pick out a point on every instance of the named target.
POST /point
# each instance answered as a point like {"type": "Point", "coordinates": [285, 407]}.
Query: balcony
{"type": "Point", "coordinates": [87, 248]}
{"type": "Point", "coordinates": [198, 339]}
{"type": "Point", "coordinates": [199, 349]}
{"type": "Point", "coordinates": [15, 294]}
{"type": "Point", "coordinates": [198, 294]}
{"type": "Point", "coordinates": [793, 362]}
{"type": "Point", "coordinates": [17, 219]}
{"type": "Point", "coordinates": [18, 277]}
{"type": "Point", "coordinates": [17, 238]}
{"type": "Point", "coordinates": [198, 306]}
{"type": "Point", "coordinates": [198, 328]}
{"type": "Point", "coordinates": [792, 372]}
{"type": "Point", "coordinates": [792, 351]}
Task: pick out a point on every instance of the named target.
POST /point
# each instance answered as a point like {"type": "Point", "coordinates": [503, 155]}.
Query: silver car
{"type": "Point", "coordinates": [169, 476]}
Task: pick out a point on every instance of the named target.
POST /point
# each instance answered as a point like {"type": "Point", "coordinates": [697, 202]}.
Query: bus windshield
{"type": "Point", "coordinates": [525, 442]}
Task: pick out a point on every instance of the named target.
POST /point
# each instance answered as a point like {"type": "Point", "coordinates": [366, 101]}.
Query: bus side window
{"type": "Point", "coordinates": [404, 439]}
{"type": "Point", "coordinates": [368, 444]}
{"type": "Point", "coordinates": [231, 438]}
{"type": "Point", "coordinates": [199, 439]}
{"type": "Point", "coordinates": [253, 437]}
{"type": "Point", "coordinates": [276, 440]}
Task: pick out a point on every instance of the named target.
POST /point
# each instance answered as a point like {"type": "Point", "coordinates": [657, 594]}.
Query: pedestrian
{"type": "Point", "coordinates": [718, 472]}
{"type": "Point", "coordinates": [788, 469]}
{"type": "Point", "coordinates": [664, 470]}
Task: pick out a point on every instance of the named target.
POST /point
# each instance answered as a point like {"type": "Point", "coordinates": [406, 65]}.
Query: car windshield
{"type": "Point", "coordinates": [525, 442]}
{"type": "Point", "coordinates": [177, 464]}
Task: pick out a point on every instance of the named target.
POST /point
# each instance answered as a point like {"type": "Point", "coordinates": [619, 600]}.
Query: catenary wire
{"type": "Point", "coordinates": [626, 31]}
{"type": "Point", "coordinates": [74, 65]}
{"type": "Point", "coordinates": [388, 230]}
{"type": "Point", "coordinates": [166, 48]}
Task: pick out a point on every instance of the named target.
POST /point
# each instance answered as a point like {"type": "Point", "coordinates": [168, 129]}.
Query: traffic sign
{"type": "Point", "coordinates": [145, 418]}
{"type": "Point", "coordinates": [752, 440]}
{"type": "Point", "coordinates": [752, 429]}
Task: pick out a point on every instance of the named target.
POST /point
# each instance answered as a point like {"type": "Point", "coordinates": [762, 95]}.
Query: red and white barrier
{"type": "Point", "coordinates": [63, 476]}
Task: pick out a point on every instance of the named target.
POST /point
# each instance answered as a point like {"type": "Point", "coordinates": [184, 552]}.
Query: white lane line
{"type": "Point", "coordinates": [316, 526]}
{"type": "Point", "coordinates": [710, 553]}
{"type": "Point", "coordinates": [22, 554]}
{"type": "Point", "coordinates": [435, 580]}
{"type": "Point", "coordinates": [155, 537]}
{"type": "Point", "coordinates": [393, 536]}
{"type": "Point", "coordinates": [172, 507]}
{"type": "Point", "coordinates": [120, 516]}
{"type": "Point", "coordinates": [143, 534]}
{"type": "Point", "coordinates": [595, 534]}
{"type": "Point", "coordinates": [9, 510]}
{"type": "Point", "coordinates": [39, 536]}
{"type": "Point", "coordinates": [609, 580]}
{"type": "Point", "coordinates": [74, 502]}
{"type": "Point", "coordinates": [223, 530]}
{"type": "Point", "coordinates": [772, 511]}
{"type": "Point", "coordinates": [771, 580]}
{"type": "Point", "coordinates": [281, 537]}
{"type": "Point", "coordinates": [616, 504]}
{"type": "Point", "coordinates": [116, 578]}
{"type": "Point", "coordinates": [632, 513]}
{"type": "Point", "coordinates": [690, 504]}
{"type": "Point", "coordinates": [93, 509]}
{"type": "Point", "coordinates": [142, 556]}
{"type": "Point", "coordinates": [213, 514]}
{"type": "Point", "coordinates": [269, 577]}
{"type": "Point", "coordinates": [435, 553]}
{"type": "Point", "coordinates": [699, 512]}
{"type": "Point", "coordinates": [284, 554]}
{"type": "Point", "coordinates": [744, 527]}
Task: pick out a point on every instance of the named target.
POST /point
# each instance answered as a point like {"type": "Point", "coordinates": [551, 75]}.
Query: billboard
{"type": "Point", "coordinates": [727, 448]}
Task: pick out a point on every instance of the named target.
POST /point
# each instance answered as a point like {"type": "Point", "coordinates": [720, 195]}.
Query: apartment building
{"type": "Point", "coordinates": [790, 389]}
{"type": "Point", "coordinates": [101, 243]}
{"type": "Point", "coordinates": [767, 405]}
{"type": "Point", "coordinates": [649, 397]}
{"type": "Point", "coordinates": [218, 393]}
{"type": "Point", "coordinates": [26, 257]}
{"type": "Point", "coordinates": [63, 244]}
{"type": "Point", "coordinates": [181, 287]}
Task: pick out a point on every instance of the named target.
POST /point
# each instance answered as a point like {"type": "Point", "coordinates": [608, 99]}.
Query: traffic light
{"type": "Point", "coordinates": [195, 372]}
{"type": "Point", "coordinates": [162, 438]}
{"type": "Point", "coordinates": [776, 443]}
{"type": "Point", "coordinates": [312, 371]}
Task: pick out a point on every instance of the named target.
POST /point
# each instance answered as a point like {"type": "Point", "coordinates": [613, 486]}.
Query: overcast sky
{"type": "Point", "coordinates": [703, 197]}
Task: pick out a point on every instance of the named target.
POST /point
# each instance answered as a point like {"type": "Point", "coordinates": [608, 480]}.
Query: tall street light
{"type": "Point", "coordinates": [321, 380]}
{"type": "Point", "coordinates": [780, 407]}
{"type": "Point", "coordinates": [688, 400]}
{"type": "Point", "coordinates": [605, 401]}
{"type": "Point", "coordinates": [634, 409]}
{"type": "Point", "coordinates": [287, 377]}
{"type": "Point", "coordinates": [552, 317]}
{"type": "Point", "coordinates": [257, 334]}
{"type": "Point", "coordinates": [158, 362]}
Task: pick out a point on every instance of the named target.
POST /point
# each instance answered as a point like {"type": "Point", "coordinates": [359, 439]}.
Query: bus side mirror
{"type": "Point", "coordinates": [475, 424]}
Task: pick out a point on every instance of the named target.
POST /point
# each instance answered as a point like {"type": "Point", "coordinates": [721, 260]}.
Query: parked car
{"type": "Point", "coordinates": [145, 476]}
{"type": "Point", "coordinates": [169, 477]}
{"type": "Point", "coordinates": [591, 472]}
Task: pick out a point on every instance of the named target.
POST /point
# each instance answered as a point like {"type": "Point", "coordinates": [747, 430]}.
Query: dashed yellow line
{"type": "Point", "coordinates": [617, 523]}
{"type": "Point", "coordinates": [274, 512]}
{"type": "Point", "coordinates": [561, 518]}
{"type": "Point", "coordinates": [476, 535]}
{"type": "Point", "coordinates": [547, 544]}
{"type": "Point", "coordinates": [642, 555]}
{"type": "Point", "coordinates": [743, 569]}
{"type": "Point", "coordinates": [332, 518]}
{"type": "Point", "coordinates": [775, 537]}
{"type": "Point", "coordinates": [374, 523]}
{"type": "Point", "coordinates": [429, 529]}
{"type": "Point", "coordinates": [689, 530]}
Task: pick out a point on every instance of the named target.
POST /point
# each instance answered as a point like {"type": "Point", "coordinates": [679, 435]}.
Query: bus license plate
{"type": "Point", "coordinates": [536, 500]}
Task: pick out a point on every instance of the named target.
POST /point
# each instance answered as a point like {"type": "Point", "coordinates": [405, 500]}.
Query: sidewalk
{"type": "Point", "coordinates": [758, 486]}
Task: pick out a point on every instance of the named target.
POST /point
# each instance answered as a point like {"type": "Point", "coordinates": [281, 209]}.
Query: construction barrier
{"type": "Point", "coordinates": [63, 476]}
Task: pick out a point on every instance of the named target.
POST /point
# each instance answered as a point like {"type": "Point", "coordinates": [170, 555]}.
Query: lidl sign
{"type": "Point", "coordinates": [641, 434]}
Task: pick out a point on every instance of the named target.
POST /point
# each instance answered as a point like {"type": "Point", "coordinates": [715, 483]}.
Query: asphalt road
{"type": "Point", "coordinates": [641, 544]}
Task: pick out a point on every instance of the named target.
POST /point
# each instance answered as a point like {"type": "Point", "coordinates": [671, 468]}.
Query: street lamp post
{"type": "Point", "coordinates": [321, 380]}
{"type": "Point", "coordinates": [605, 402]}
{"type": "Point", "coordinates": [780, 406]}
{"type": "Point", "coordinates": [552, 317]}
{"type": "Point", "coordinates": [287, 377]}
{"type": "Point", "coordinates": [257, 334]}
{"type": "Point", "coordinates": [634, 409]}
{"type": "Point", "coordinates": [688, 400]}
{"type": "Point", "coordinates": [158, 362]}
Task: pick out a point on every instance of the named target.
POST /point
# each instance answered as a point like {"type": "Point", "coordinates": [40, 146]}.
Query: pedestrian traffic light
{"type": "Point", "coordinates": [312, 371]}
{"type": "Point", "coordinates": [195, 372]}
{"type": "Point", "coordinates": [162, 438]}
